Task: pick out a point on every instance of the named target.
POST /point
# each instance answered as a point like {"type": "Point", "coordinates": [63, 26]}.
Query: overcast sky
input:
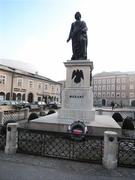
{"type": "Point", "coordinates": [35, 31]}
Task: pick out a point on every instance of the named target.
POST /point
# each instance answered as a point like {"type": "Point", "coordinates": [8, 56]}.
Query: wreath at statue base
{"type": "Point", "coordinates": [77, 131]}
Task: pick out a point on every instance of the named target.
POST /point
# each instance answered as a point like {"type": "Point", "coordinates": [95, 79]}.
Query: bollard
{"type": "Point", "coordinates": [1, 117]}
{"type": "Point", "coordinates": [42, 112]}
{"type": "Point", "coordinates": [110, 150]}
{"type": "Point", "coordinates": [100, 112]}
{"type": "Point", "coordinates": [26, 113]}
{"type": "Point", "coordinates": [41, 109]}
{"type": "Point", "coordinates": [11, 138]}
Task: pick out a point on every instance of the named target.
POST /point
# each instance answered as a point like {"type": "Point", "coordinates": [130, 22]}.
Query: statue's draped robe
{"type": "Point", "coordinates": [78, 34]}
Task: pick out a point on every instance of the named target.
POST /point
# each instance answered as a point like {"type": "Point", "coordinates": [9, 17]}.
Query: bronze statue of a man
{"type": "Point", "coordinates": [78, 35]}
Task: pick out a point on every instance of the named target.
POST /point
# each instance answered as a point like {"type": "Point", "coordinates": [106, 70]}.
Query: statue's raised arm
{"type": "Point", "coordinates": [78, 35]}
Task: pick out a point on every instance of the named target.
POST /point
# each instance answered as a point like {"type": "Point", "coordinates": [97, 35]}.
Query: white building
{"type": "Point", "coordinates": [114, 86]}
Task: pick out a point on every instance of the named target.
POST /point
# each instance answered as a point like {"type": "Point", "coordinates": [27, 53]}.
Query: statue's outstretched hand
{"type": "Point", "coordinates": [68, 40]}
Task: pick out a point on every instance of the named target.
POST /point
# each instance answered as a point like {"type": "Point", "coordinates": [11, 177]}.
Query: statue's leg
{"type": "Point", "coordinates": [76, 50]}
{"type": "Point", "coordinates": [83, 49]}
{"type": "Point", "coordinates": [72, 58]}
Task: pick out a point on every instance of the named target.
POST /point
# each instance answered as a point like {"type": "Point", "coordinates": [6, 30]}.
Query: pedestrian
{"type": "Point", "coordinates": [112, 105]}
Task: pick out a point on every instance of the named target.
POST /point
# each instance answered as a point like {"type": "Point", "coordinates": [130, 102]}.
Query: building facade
{"type": "Point", "coordinates": [114, 87]}
{"type": "Point", "coordinates": [20, 85]}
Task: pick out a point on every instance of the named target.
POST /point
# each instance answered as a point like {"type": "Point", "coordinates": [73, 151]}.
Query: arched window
{"type": "Point", "coordinates": [30, 97]}
{"type": "Point", "coordinates": [8, 96]}
{"type": "Point", "coordinates": [103, 102]}
{"type": "Point", "coordinates": [23, 97]}
{"type": "Point", "coordinates": [14, 96]}
{"type": "Point", "coordinates": [133, 103]}
{"type": "Point", "coordinates": [2, 95]}
{"type": "Point", "coordinates": [18, 96]}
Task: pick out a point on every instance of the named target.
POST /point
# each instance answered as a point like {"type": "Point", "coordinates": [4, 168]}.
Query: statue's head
{"type": "Point", "coordinates": [77, 15]}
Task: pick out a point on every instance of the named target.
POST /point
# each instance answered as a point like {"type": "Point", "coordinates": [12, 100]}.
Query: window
{"type": "Point", "coordinates": [118, 87]}
{"type": "Point", "coordinates": [131, 79]}
{"type": "Point", "coordinates": [123, 80]}
{"type": "Point", "coordinates": [108, 81]}
{"type": "Point", "coordinates": [99, 81]}
{"type": "Point", "coordinates": [131, 86]}
{"type": "Point", "coordinates": [99, 94]}
{"type": "Point", "coordinates": [113, 81]}
{"type": "Point", "coordinates": [2, 79]}
{"type": "Point", "coordinates": [131, 94]}
{"type": "Point", "coordinates": [104, 87]}
{"type": "Point", "coordinates": [19, 82]}
{"type": "Point", "coordinates": [118, 80]}
{"type": "Point", "coordinates": [103, 94]}
{"type": "Point", "coordinates": [39, 98]}
{"type": "Point", "coordinates": [31, 83]}
{"type": "Point", "coordinates": [46, 87]}
{"type": "Point", "coordinates": [123, 95]}
{"type": "Point", "coordinates": [95, 81]}
{"type": "Point", "coordinates": [108, 94]}
{"type": "Point", "coordinates": [123, 87]}
{"type": "Point", "coordinates": [99, 88]}
{"type": "Point", "coordinates": [113, 94]}
{"type": "Point", "coordinates": [39, 85]}
{"type": "Point", "coordinates": [103, 81]}
{"type": "Point", "coordinates": [117, 94]}
{"type": "Point", "coordinates": [108, 87]}
{"type": "Point", "coordinates": [112, 87]}
{"type": "Point", "coordinates": [95, 88]}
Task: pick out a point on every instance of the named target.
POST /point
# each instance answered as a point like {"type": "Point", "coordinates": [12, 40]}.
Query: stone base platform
{"type": "Point", "coordinates": [96, 128]}
{"type": "Point", "coordinates": [76, 115]}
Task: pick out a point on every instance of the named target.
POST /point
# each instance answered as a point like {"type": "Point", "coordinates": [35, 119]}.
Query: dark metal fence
{"type": "Point", "coordinates": [60, 145]}
{"type": "Point", "coordinates": [56, 144]}
{"type": "Point", "coordinates": [2, 140]}
{"type": "Point", "coordinates": [126, 152]}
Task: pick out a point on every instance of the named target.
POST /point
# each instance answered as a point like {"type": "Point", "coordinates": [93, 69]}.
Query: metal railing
{"type": "Point", "coordinates": [2, 140]}
{"type": "Point", "coordinates": [61, 145]}
{"type": "Point", "coordinates": [126, 152]}
{"type": "Point", "coordinates": [57, 144]}
{"type": "Point", "coordinates": [13, 115]}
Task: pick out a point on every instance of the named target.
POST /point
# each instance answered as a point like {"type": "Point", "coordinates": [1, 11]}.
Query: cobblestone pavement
{"type": "Point", "coordinates": [28, 167]}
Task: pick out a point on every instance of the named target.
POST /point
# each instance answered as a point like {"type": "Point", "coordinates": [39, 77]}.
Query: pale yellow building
{"type": "Point", "coordinates": [18, 84]}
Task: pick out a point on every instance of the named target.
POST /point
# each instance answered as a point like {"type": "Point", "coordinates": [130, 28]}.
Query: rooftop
{"type": "Point", "coordinates": [21, 68]}
{"type": "Point", "coordinates": [114, 73]}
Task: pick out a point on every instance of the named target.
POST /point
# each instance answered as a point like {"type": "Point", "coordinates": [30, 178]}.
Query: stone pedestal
{"type": "Point", "coordinates": [11, 138]}
{"type": "Point", "coordinates": [77, 104]}
{"type": "Point", "coordinates": [77, 97]}
{"type": "Point", "coordinates": [110, 150]}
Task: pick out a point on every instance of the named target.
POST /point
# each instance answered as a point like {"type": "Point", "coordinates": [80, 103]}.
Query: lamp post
{"type": "Point", "coordinates": [12, 83]}
{"type": "Point", "coordinates": [115, 89]}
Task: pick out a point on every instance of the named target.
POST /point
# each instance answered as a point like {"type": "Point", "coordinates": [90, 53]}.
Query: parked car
{"type": "Point", "coordinates": [54, 105]}
{"type": "Point", "coordinates": [14, 104]}
{"type": "Point", "coordinates": [34, 105]}
{"type": "Point", "coordinates": [8, 102]}
{"type": "Point", "coordinates": [24, 104]}
{"type": "Point", "coordinates": [42, 104]}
